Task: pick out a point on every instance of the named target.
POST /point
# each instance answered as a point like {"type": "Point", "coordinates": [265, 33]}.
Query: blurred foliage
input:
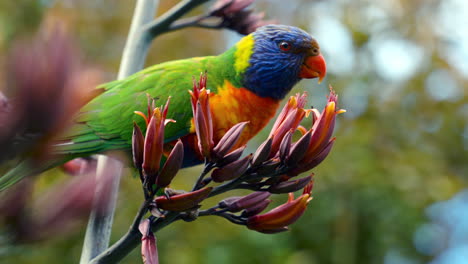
{"type": "Point", "coordinates": [401, 146]}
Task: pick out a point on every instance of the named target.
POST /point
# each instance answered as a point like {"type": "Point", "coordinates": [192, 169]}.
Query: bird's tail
{"type": "Point", "coordinates": [25, 168]}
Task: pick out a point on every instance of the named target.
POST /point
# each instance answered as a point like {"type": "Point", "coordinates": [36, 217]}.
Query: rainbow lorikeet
{"type": "Point", "coordinates": [246, 82]}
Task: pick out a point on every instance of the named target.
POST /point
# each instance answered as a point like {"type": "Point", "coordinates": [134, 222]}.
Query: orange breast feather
{"type": "Point", "coordinates": [231, 105]}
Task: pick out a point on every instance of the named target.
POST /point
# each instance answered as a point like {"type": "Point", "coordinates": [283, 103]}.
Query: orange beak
{"type": "Point", "coordinates": [314, 67]}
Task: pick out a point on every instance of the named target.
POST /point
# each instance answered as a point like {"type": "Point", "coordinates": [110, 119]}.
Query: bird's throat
{"type": "Point", "coordinates": [231, 105]}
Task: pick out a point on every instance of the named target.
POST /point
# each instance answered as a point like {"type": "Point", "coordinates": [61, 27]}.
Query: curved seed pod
{"type": "Point", "coordinates": [172, 165]}
{"type": "Point", "coordinates": [262, 153]}
{"type": "Point", "coordinates": [290, 186]}
{"type": "Point", "coordinates": [285, 145]}
{"type": "Point", "coordinates": [232, 156]}
{"type": "Point", "coordinates": [138, 141]}
{"type": "Point", "coordinates": [182, 202]}
{"type": "Point", "coordinates": [227, 142]}
{"type": "Point", "coordinates": [232, 170]}
{"type": "Point", "coordinates": [299, 149]}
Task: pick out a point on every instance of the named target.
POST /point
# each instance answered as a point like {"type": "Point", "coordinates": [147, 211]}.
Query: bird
{"type": "Point", "coordinates": [247, 83]}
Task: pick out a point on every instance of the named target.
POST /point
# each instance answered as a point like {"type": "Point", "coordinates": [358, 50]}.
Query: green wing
{"type": "Point", "coordinates": [106, 123]}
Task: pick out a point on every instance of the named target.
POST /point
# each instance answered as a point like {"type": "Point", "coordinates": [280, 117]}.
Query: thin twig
{"type": "Point", "coordinates": [163, 23]}
{"type": "Point", "coordinates": [119, 249]}
{"type": "Point", "coordinates": [195, 22]}
{"type": "Point", "coordinates": [245, 186]}
{"type": "Point", "coordinates": [141, 212]}
{"type": "Point", "coordinates": [210, 211]}
{"type": "Point", "coordinates": [208, 167]}
{"type": "Point", "coordinates": [131, 240]}
{"type": "Point", "coordinates": [226, 186]}
{"type": "Point", "coordinates": [232, 218]}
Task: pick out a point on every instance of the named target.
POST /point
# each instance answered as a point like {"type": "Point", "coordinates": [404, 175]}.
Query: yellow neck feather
{"type": "Point", "coordinates": [244, 49]}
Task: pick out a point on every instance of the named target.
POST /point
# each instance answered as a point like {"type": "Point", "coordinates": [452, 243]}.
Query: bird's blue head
{"type": "Point", "coordinates": [275, 57]}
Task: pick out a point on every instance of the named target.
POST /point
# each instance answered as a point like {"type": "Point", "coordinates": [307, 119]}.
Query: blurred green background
{"type": "Point", "coordinates": [392, 190]}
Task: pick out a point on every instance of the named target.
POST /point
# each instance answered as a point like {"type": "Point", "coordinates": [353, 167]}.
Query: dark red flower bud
{"type": "Point", "coordinates": [204, 140]}
{"type": "Point", "coordinates": [268, 167]}
{"type": "Point", "coordinates": [236, 204]}
{"type": "Point", "coordinates": [281, 131]}
{"type": "Point", "coordinates": [228, 7]}
{"type": "Point", "coordinates": [232, 156]}
{"type": "Point", "coordinates": [299, 149]}
{"type": "Point", "coordinates": [228, 201]}
{"type": "Point", "coordinates": [229, 140]}
{"type": "Point", "coordinates": [236, 16]}
{"type": "Point", "coordinates": [280, 217]}
{"type": "Point", "coordinates": [314, 162]}
{"type": "Point", "coordinates": [285, 145]}
{"type": "Point", "coordinates": [172, 165]}
{"type": "Point", "coordinates": [262, 153]}
{"type": "Point", "coordinates": [182, 202]}
{"type": "Point", "coordinates": [149, 251]}
{"type": "Point", "coordinates": [256, 209]}
{"type": "Point", "coordinates": [137, 146]}
{"type": "Point", "coordinates": [294, 102]}
{"type": "Point", "coordinates": [290, 186]}
{"type": "Point", "coordinates": [322, 155]}
{"type": "Point", "coordinates": [289, 119]}
{"type": "Point", "coordinates": [322, 129]}
{"type": "Point", "coordinates": [154, 141]}
{"type": "Point", "coordinates": [202, 116]}
{"type": "Point", "coordinates": [231, 171]}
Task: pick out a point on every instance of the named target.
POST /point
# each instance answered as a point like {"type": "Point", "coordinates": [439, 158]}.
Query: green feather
{"type": "Point", "coordinates": [106, 122]}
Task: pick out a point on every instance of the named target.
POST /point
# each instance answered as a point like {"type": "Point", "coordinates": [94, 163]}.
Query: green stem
{"type": "Point", "coordinates": [133, 58]}
{"type": "Point", "coordinates": [131, 240]}
{"type": "Point", "coordinates": [102, 214]}
{"type": "Point", "coordinates": [120, 249]}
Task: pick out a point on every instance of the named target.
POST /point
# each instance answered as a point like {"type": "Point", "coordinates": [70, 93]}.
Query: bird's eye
{"type": "Point", "coordinates": [285, 46]}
